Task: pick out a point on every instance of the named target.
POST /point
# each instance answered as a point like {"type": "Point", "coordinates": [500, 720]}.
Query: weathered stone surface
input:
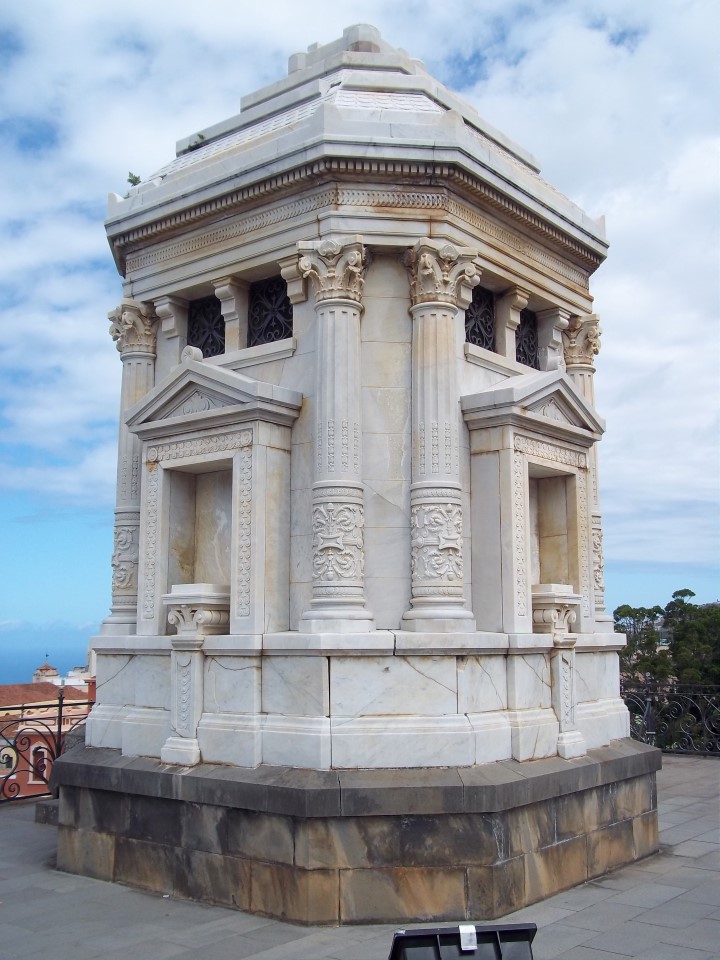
{"type": "Point", "coordinates": [87, 852]}
{"type": "Point", "coordinates": [645, 834]}
{"type": "Point", "coordinates": [348, 842]}
{"type": "Point", "coordinates": [260, 836]}
{"type": "Point", "coordinates": [156, 820]}
{"type": "Point", "coordinates": [633, 797]}
{"type": "Point", "coordinates": [144, 864]}
{"type": "Point", "coordinates": [102, 811]}
{"type": "Point", "coordinates": [609, 848]}
{"type": "Point", "coordinates": [496, 890]}
{"type": "Point", "coordinates": [204, 827]}
{"type": "Point", "coordinates": [300, 896]}
{"type": "Point", "coordinates": [555, 868]}
{"type": "Point", "coordinates": [401, 893]}
{"type": "Point", "coordinates": [208, 876]}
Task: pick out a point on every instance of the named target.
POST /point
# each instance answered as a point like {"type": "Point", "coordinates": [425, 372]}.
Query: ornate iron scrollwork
{"type": "Point", "coordinates": [270, 314]}
{"type": "Point", "coordinates": [526, 340]}
{"type": "Point", "coordinates": [678, 718]}
{"type": "Point", "coordinates": [480, 319]}
{"type": "Point", "coordinates": [206, 326]}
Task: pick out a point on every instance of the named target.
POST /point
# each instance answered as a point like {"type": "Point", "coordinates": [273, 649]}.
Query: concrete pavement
{"type": "Point", "coordinates": [664, 908]}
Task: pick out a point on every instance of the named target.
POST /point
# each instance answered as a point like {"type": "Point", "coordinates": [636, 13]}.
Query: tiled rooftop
{"type": "Point", "coordinates": [664, 908]}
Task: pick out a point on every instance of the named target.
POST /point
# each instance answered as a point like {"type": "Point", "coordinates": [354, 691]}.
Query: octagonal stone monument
{"type": "Point", "coordinates": [358, 665]}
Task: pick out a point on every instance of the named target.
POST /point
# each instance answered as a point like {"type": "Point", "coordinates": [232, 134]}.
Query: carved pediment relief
{"type": "Point", "coordinates": [558, 409]}
{"type": "Point", "coordinates": [197, 394]}
{"type": "Point", "coordinates": [546, 402]}
{"type": "Point", "coordinates": [196, 401]}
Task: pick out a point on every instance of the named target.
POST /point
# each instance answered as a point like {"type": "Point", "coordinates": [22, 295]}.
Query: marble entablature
{"type": "Point", "coordinates": [371, 543]}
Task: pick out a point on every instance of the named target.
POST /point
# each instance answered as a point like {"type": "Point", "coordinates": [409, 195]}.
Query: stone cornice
{"type": "Point", "coordinates": [122, 239]}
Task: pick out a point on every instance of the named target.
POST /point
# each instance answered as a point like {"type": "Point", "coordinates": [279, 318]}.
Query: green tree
{"type": "Point", "coordinates": [695, 644]}
{"type": "Point", "coordinates": [641, 658]}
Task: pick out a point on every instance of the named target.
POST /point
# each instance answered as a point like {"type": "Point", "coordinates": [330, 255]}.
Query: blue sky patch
{"type": "Point", "coordinates": [30, 134]}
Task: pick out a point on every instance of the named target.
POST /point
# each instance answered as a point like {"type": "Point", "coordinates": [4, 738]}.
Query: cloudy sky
{"type": "Point", "coordinates": [616, 98]}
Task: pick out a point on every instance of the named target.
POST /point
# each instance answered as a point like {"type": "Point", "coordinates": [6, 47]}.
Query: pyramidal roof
{"type": "Point", "coordinates": [357, 97]}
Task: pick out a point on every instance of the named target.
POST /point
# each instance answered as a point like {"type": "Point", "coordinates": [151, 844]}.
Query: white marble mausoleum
{"type": "Point", "coordinates": [357, 520]}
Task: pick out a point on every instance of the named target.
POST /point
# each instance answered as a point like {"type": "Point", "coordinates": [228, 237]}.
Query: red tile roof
{"type": "Point", "coordinates": [17, 694]}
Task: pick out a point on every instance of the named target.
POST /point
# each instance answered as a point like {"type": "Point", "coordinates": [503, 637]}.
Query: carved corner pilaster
{"type": "Point", "coordinates": [440, 272]}
{"type": "Point", "coordinates": [335, 266]}
{"type": "Point", "coordinates": [133, 327]}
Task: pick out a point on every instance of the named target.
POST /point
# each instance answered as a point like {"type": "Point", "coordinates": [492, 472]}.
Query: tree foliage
{"type": "Point", "coordinates": [693, 652]}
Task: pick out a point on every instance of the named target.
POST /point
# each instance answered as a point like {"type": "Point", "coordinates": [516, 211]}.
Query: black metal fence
{"type": "Point", "coordinates": [678, 718]}
{"type": "Point", "coordinates": [32, 736]}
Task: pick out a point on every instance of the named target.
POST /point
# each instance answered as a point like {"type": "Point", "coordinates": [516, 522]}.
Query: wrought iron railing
{"type": "Point", "coordinates": [678, 718]}
{"type": "Point", "coordinates": [32, 736]}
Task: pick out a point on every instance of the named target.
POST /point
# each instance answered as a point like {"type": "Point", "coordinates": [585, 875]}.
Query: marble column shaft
{"type": "Point", "coordinates": [336, 268]}
{"type": "Point", "coordinates": [133, 327]}
{"type": "Point", "coordinates": [442, 278]}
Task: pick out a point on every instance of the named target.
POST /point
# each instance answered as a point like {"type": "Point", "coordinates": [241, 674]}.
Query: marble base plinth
{"type": "Point", "coordinates": [357, 846]}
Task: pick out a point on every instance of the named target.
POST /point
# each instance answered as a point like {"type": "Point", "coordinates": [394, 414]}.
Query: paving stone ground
{"type": "Point", "coordinates": [665, 908]}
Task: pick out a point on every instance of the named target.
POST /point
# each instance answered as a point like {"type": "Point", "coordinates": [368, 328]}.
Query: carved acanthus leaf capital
{"type": "Point", "coordinates": [133, 327]}
{"type": "Point", "coordinates": [581, 340]}
{"type": "Point", "coordinates": [442, 272]}
{"type": "Point", "coordinates": [335, 266]}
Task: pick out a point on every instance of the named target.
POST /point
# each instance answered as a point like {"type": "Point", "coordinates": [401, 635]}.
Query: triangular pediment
{"type": "Point", "coordinates": [197, 394]}
{"type": "Point", "coordinates": [548, 400]}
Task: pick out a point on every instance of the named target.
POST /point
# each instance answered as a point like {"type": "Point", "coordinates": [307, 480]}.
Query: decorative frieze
{"type": "Point", "coordinates": [550, 451]}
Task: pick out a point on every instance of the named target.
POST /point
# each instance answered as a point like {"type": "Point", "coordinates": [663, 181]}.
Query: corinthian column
{"type": "Point", "coordinates": [581, 344]}
{"type": "Point", "coordinates": [132, 327]}
{"type": "Point", "coordinates": [336, 268]}
{"type": "Point", "coordinates": [442, 278]}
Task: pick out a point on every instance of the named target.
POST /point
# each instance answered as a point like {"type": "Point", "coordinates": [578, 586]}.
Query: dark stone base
{"type": "Point", "coordinates": [358, 846]}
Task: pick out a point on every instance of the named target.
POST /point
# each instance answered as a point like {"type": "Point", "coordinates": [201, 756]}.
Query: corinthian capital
{"type": "Point", "coordinates": [336, 267]}
{"type": "Point", "coordinates": [442, 272]}
{"type": "Point", "coordinates": [132, 327]}
{"type": "Point", "coordinates": [581, 340]}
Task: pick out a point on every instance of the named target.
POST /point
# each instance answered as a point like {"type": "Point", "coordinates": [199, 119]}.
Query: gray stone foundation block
{"type": "Point", "coordinates": [358, 846]}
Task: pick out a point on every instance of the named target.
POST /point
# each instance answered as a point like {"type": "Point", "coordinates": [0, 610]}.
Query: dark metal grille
{"type": "Point", "coordinates": [480, 319]}
{"type": "Point", "coordinates": [206, 326]}
{"type": "Point", "coordinates": [526, 340]}
{"type": "Point", "coordinates": [270, 315]}
{"type": "Point", "coordinates": [677, 717]}
{"type": "Point", "coordinates": [31, 738]}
